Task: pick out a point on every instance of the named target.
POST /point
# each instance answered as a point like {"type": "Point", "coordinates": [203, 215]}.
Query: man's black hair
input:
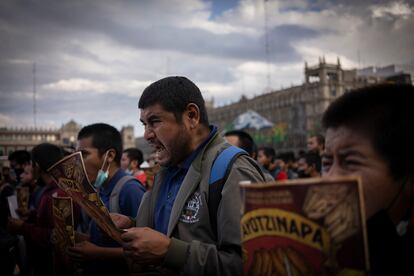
{"type": "Point", "coordinates": [269, 152]}
{"type": "Point", "coordinates": [320, 139]}
{"type": "Point", "coordinates": [21, 157]}
{"type": "Point", "coordinates": [104, 137]}
{"type": "Point", "coordinates": [246, 141]}
{"type": "Point", "coordinates": [135, 154]}
{"type": "Point", "coordinates": [45, 155]}
{"type": "Point", "coordinates": [174, 94]}
{"type": "Point", "coordinates": [385, 114]}
{"type": "Point", "coordinates": [313, 159]}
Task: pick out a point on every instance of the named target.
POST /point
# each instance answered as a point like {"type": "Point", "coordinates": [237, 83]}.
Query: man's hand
{"type": "Point", "coordinates": [83, 251]}
{"type": "Point", "coordinates": [121, 221]}
{"type": "Point", "coordinates": [80, 237]}
{"type": "Point", "coordinates": [145, 245]}
{"type": "Point", "coordinates": [14, 225]}
{"type": "Point", "coordinates": [23, 213]}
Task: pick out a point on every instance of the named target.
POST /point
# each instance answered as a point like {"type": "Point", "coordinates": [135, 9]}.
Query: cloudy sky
{"type": "Point", "coordinates": [94, 58]}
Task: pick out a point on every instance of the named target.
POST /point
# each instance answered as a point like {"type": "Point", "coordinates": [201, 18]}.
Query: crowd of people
{"type": "Point", "coordinates": [186, 219]}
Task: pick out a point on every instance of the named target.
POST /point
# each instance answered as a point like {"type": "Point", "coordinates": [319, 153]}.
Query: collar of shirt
{"type": "Point", "coordinates": [173, 179]}
{"type": "Point", "coordinates": [107, 190]}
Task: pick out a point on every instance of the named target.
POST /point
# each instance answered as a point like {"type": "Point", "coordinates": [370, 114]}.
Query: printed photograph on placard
{"type": "Point", "coordinates": [304, 227]}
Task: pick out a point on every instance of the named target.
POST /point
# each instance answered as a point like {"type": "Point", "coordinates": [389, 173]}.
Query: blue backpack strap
{"type": "Point", "coordinates": [221, 163]}
{"type": "Point", "coordinates": [219, 171]}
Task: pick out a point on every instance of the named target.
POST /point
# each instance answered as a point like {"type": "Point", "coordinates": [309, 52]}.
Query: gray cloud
{"type": "Point", "coordinates": [119, 46]}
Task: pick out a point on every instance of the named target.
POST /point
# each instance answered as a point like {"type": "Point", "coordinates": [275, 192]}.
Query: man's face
{"type": "Point", "coordinates": [313, 144]}
{"type": "Point", "coordinates": [27, 174]}
{"type": "Point", "coordinates": [125, 161]}
{"type": "Point", "coordinates": [349, 152]}
{"type": "Point", "coordinates": [169, 139]}
{"type": "Point", "coordinates": [262, 159]}
{"type": "Point", "coordinates": [302, 165]}
{"type": "Point", "coordinates": [91, 157]}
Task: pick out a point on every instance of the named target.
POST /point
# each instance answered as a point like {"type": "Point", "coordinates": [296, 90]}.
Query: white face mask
{"type": "Point", "coordinates": [102, 176]}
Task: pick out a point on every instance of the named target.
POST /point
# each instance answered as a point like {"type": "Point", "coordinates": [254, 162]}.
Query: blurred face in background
{"type": "Point", "coordinates": [125, 161]}
{"type": "Point", "coordinates": [263, 159]}
{"type": "Point", "coordinates": [313, 144]}
{"type": "Point", "coordinates": [26, 177]}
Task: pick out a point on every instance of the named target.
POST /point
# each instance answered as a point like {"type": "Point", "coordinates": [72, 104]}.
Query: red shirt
{"type": "Point", "coordinates": [282, 176]}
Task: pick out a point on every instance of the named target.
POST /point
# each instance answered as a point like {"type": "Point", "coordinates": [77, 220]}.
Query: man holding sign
{"type": "Point", "coordinates": [101, 148]}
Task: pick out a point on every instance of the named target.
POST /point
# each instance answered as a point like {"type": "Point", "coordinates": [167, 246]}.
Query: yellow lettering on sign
{"type": "Point", "coordinates": [277, 222]}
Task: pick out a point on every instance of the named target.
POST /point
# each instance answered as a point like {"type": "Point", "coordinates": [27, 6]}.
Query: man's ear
{"type": "Point", "coordinates": [192, 115]}
{"type": "Point", "coordinates": [111, 155]}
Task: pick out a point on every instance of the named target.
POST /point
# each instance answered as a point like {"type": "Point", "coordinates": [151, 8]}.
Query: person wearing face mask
{"type": "Point", "coordinates": [309, 165]}
{"type": "Point", "coordinates": [370, 133]}
{"type": "Point", "coordinates": [101, 148]}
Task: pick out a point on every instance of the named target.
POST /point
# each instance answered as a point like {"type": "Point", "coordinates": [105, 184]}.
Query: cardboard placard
{"type": "Point", "coordinates": [64, 232]}
{"type": "Point", "coordinates": [71, 177]}
{"type": "Point", "coordinates": [304, 227]}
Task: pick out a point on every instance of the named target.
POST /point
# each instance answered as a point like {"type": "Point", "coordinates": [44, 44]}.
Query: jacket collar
{"type": "Point", "coordinates": [190, 182]}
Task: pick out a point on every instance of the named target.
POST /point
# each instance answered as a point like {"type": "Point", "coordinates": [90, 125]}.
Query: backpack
{"type": "Point", "coordinates": [85, 226]}
{"type": "Point", "coordinates": [220, 170]}
{"type": "Point", "coordinates": [114, 198]}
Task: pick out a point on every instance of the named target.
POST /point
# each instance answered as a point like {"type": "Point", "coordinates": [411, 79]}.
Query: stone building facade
{"type": "Point", "coordinates": [12, 139]}
{"type": "Point", "coordinates": [296, 112]}
{"type": "Point", "coordinates": [128, 139]}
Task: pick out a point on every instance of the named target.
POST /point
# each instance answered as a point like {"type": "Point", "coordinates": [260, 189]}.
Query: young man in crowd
{"type": "Point", "coordinates": [266, 157]}
{"type": "Point", "coordinates": [178, 227]}
{"type": "Point", "coordinates": [309, 165]}
{"type": "Point", "coordinates": [101, 148]}
{"type": "Point", "coordinates": [316, 144]}
{"type": "Point", "coordinates": [370, 133]}
{"type": "Point", "coordinates": [18, 160]}
{"type": "Point", "coordinates": [275, 167]}
{"type": "Point", "coordinates": [131, 161]}
{"type": "Point", "coordinates": [243, 140]}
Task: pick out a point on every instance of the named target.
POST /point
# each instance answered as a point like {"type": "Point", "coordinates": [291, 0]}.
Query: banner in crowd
{"type": "Point", "coordinates": [71, 177]}
{"type": "Point", "coordinates": [304, 227]}
{"type": "Point", "coordinates": [63, 231]}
